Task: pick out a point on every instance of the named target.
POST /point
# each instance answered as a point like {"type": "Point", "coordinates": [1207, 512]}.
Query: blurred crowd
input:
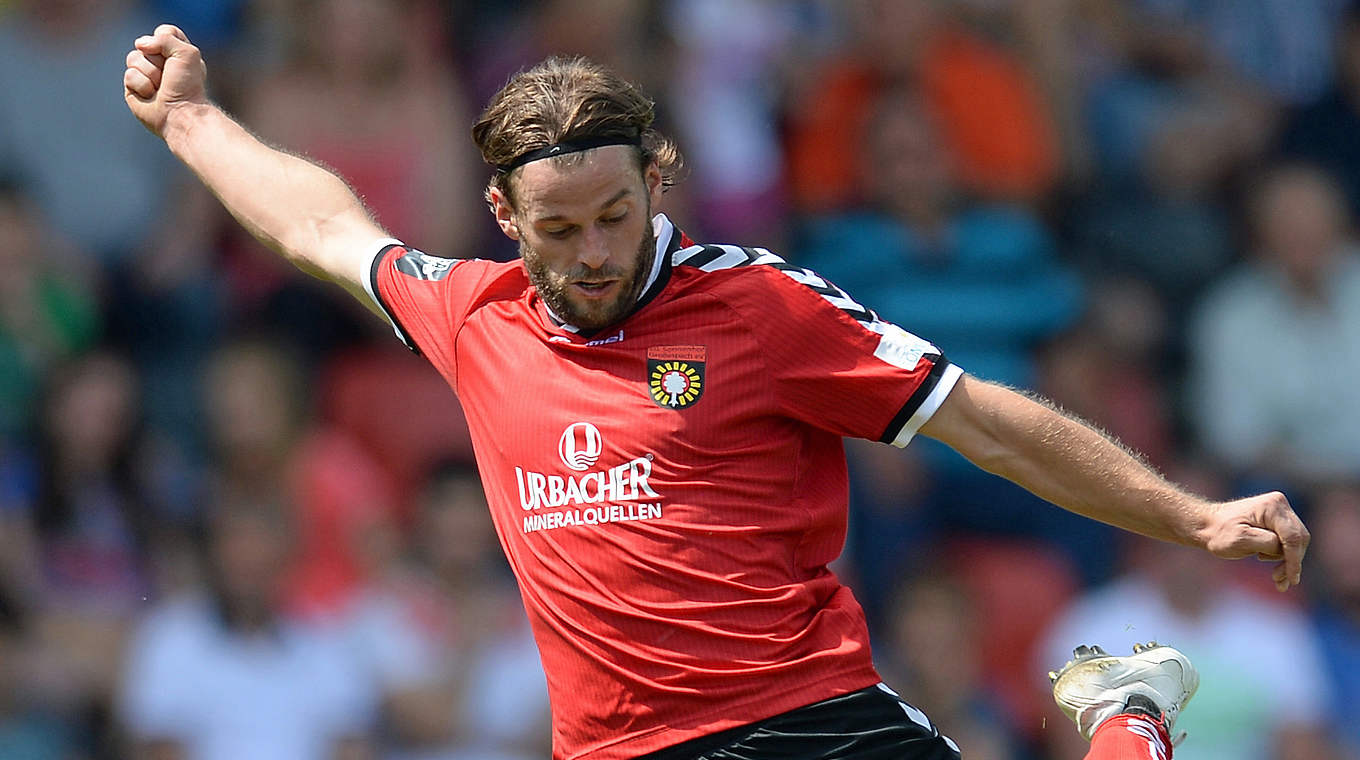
{"type": "Point", "coordinates": [238, 519]}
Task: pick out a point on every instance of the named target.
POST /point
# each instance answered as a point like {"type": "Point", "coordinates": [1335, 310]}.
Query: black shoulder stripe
{"type": "Point", "coordinates": [826, 289]}
{"type": "Point", "coordinates": [817, 284]}
{"type": "Point", "coordinates": [714, 257]}
{"type": "Point", "coordinates": [704, 256]}
{"type": "Point", "coordinates": [861, 314]}
{"type": "Point", "coordinates": [711, 258]}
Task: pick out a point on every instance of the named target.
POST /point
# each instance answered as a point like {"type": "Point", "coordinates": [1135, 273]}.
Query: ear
{"type": "Point", "coordinates": [652, 177]}
{"type": "Point", "coordinates": [504, 213]}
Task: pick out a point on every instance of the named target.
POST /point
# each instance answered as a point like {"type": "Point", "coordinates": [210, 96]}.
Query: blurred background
{"type": "Point", "coordinates": [225, 534]}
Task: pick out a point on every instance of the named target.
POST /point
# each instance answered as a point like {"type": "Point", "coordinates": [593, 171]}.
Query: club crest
{"type": "Point", "coordinates": [675, 375]}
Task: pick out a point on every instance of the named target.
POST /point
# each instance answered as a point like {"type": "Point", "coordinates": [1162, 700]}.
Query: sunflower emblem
{"type": "Point", "coordinates": [675, 375]}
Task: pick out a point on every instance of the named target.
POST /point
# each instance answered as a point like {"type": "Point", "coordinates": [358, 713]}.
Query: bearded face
{"type": "Point", "coordinates": [609, 292]}
{"type": "Point", "coordinates": [583, 223]}
{"type": "Point", "coordinates": [592, 299]}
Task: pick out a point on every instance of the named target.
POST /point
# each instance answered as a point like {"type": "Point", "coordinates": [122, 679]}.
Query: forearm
{"type": "Point", "coordinates": [288, 203]}
{"type": "Point", "coordinates": [1072, 465]}
{"type": "Point", "coordinates": [1076, 467]}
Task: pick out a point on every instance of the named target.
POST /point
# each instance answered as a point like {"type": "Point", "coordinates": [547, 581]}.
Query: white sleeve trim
{"type": "Point", "coordinates": [366, 277]}
{"type": "Point", "coordinates": [927, 409]}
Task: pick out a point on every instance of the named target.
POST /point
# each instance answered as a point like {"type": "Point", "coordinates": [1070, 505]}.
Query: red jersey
{"type": "Point", "coordinates": [670, 490]}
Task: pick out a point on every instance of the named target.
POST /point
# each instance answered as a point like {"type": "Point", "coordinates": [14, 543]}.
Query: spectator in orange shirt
{"type": "Point", "coordinates": [970, 85]}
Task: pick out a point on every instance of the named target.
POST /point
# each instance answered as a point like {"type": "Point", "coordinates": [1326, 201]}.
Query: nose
{"type": "Point", "coordinates": [594, 248]}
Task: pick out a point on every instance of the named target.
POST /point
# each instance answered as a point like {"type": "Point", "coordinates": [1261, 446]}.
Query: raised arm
{"type": "Point", "coordinates": [290, 204]}
{"type": "Point", "coordinates": [1072, 465]}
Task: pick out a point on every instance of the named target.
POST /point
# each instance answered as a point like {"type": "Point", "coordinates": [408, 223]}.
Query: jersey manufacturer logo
{"type": "Point", "coordinates": [675, 375]}
{"type": "Point", "coordinates": [615, 338]}
{"type": "Point", "coordinates": [579, 446]}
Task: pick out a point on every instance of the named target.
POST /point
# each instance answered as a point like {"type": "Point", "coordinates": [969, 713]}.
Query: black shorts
{"type": "Point", "coordinates": [869, 724]}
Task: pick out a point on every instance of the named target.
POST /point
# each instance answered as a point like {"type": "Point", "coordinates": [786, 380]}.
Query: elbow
{"type": "Point", "coordinates": [302, 244]}
{"type": "Point", "coordinates": [986, 446]}
{"type": "Point", "coordinates": [995, 441]}
{"type": "Point", "coordinates": [294, 255]}
{"type": "Point", "coordinates": [991, 455]}
{"type": "Point", "coordinates": [973, 421]}
{"type": "Point", "coordinates": [295, 241]}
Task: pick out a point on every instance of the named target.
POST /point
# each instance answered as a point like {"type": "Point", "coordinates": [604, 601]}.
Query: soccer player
{"type": "Point", "coordinates": [658, 426]}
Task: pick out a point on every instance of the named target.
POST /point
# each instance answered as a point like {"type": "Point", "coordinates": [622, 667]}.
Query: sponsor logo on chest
{"type": "Point", "coordinates": [591, 496]}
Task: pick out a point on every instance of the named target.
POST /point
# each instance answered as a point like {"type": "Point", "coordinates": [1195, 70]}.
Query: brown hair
{"type": "Point", "coordinates": [568, 99]}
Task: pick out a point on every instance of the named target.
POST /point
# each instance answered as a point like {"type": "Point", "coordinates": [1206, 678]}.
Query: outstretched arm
{"type": "Point", "coordinates": [291, 205]}
{"type": "Point", "coordinates": [1074, 466]}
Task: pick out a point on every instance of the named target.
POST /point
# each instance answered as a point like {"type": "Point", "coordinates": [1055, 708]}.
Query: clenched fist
{"type": "Point", "coordinates": [1263, 525]}
{"type": "Point", "coordinates": [164, 72]}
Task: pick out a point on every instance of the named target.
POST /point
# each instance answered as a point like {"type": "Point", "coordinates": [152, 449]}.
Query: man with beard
{"type": "Point", "coordinates": [658, 427]}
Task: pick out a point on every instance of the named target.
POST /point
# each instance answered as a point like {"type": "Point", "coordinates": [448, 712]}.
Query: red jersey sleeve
{"type": "Point", "coordinates": [835, 364]}
{"type": "Point", "coordinates": [427, 298]}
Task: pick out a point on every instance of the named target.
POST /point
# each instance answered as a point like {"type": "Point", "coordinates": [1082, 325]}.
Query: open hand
{"type": "Point", "coordinates": [164, 72]}
{"type": "Point", "coordinates": [1263, 525]}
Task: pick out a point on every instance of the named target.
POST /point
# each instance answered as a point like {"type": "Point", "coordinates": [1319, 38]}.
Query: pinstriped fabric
{"type": "Point", "coordinates": [895, 346]}
{"type": "Point", "coordinates": [677, 587]}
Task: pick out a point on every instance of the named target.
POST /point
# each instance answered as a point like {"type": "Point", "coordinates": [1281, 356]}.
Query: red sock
{"type": "Point", "coordinates": [1130, 737]}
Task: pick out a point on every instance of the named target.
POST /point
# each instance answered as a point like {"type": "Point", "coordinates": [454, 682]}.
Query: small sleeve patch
{"type": "Point", "coordinates": [900, 348]}
{"type": "Point", "coordinates": [423, 266]}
